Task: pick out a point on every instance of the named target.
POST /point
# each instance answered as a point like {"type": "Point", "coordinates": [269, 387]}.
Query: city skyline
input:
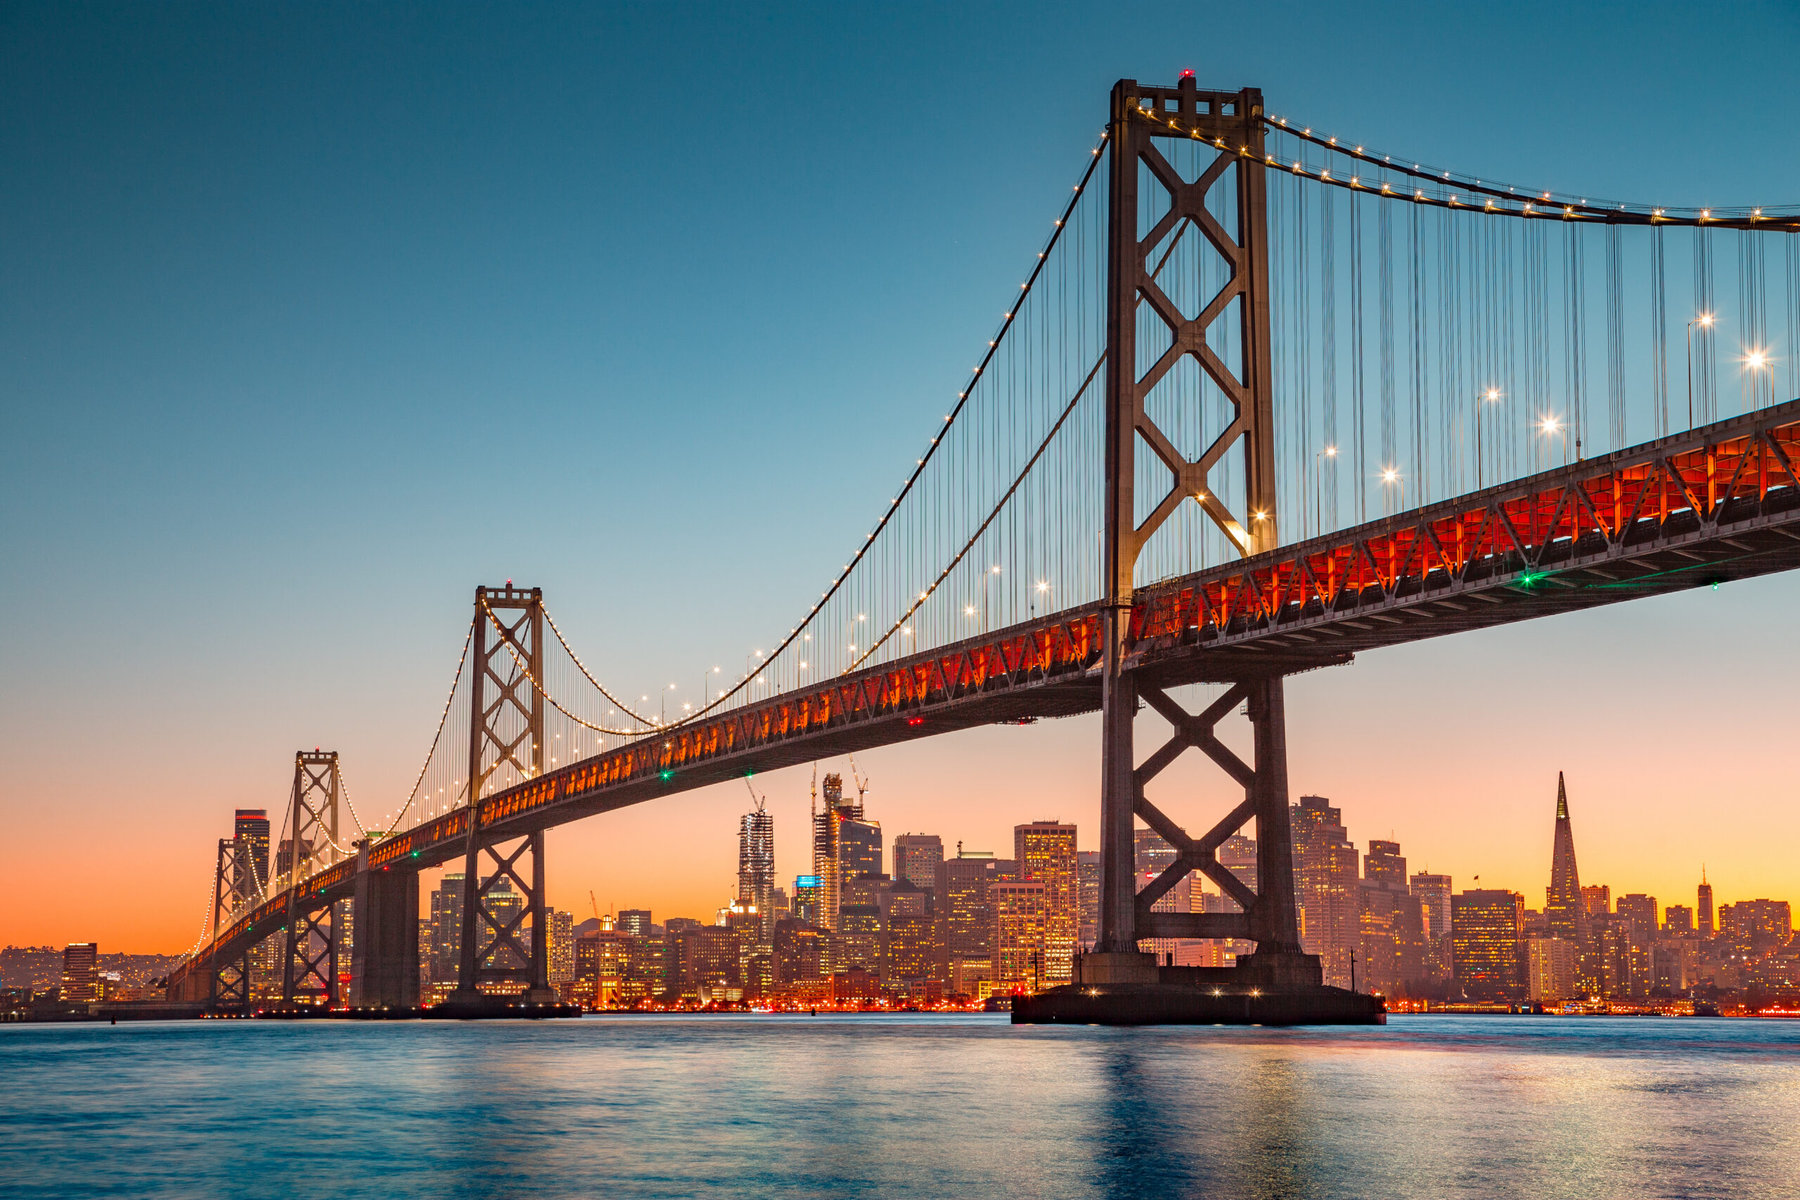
{"type": "Point", "coordinates": [124, 667]}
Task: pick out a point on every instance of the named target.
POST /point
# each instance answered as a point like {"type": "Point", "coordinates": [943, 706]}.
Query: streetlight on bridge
{"type": "Point", "coordinates": [1706, 322]}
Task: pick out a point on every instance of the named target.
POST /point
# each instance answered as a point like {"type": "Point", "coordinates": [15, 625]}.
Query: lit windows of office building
{"type": "Point", "coordinates": [446, 927]}
{"type": "Point", "coordinates": [1678, 921]}
{"type": "Point", "coordinates": [1087, 884]}
{"type": "Point", "coordinates": [81, 974]}
{"type": "Point", "coordinates": [1327, 887]}
{"type": "Point", "coordinates": [806, 900]}
{"type": "Point", "coordinates": [1551, 964]}
{"type": "Point", "coordinates": [1045, 851]}
{"type": "Point", "coordinates": [1487, 929]}
{"type": "Point", "coordinates": [756, 867]}
{"type": "Point", "coordinates": [1640, 911]}
{"type": "Point", "coordinates": [1596, 901]}
{"type": "Point", "coordinates": [919, 860]}
{"type": "Point", "coordinates": [1384, 866]}
{"type": "Point", "coordinates": [859, 938]}
{"type": "Point", "coordinates": [635, 921]}
{"type": "Point", "coordinates": [968, 910]}
{"type": "Point", "coordinates": [561, 948]}
{"type": "Point", "coordinates": [801, 953]}
{"type": "Point", "coordinates": [1021, 936]}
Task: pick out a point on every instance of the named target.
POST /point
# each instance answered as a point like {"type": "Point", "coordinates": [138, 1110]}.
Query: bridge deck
{"type": "Point", "coordinates": [1718, 503]}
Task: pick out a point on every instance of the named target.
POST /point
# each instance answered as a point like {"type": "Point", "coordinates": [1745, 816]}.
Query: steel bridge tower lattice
{"type": "Point", "coordinates": [314, 930]}
{"type": "Point", "coordinates": [1138, 415]}
{"type": "Point", "coordinates": [506, 745]}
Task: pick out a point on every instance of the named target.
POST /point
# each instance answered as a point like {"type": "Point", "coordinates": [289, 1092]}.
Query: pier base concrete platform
{"type": "Point", "coordinates": [1131, 989]}
{"type": "Point", "coordinates": [497, 1008]}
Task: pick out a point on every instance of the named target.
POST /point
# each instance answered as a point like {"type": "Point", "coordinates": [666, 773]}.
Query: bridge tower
{"type": "Point", "coordinates": [506, 737]}
{"type": "Point", "coordinates": [1235, 360]}
{"type": "Point", "coordinates": [233, 882]}
{"type": "Point", "coordinates": [314, 930]}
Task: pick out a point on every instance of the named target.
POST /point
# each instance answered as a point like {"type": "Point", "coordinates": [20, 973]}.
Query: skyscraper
{"type": "Point", "coordinates": [1087, 884]}
{"type": "Point", "coordinates": [1046, 854]}
{"type": "Point", "coordinates": [1327, 887]}
{"type": "Point", "coordinates": [1565, 911]}
{"type": "Point", "coordinates": [1433, 892]}
{"type": "Point", "coordinates": [446, 927]}
{"type": "Point", "coordinates": [1488, 930]}
{"type": "Point", "coordinates": [81, 974]}
{"type": "Point", "coordinates": [252, 832]}
{"type": "Point", "coordinates": [968, 906]}
{"type": "Point", "coordinates": [1705, 906]}
{"type": "Point", "coordinates": [1021, 936]}
{"type": "Point", "coordinates": [1384, 866]}
{"type": "Point", "coordinates": [756, 866]}
{"type": "Point", "coordinates": [918, 857]}
{"type": "Point", "coordinates": [827, 842]}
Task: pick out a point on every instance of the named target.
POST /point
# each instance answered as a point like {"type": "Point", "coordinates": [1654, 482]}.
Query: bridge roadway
{"type": "Point", "coordinates": [1719, 503]}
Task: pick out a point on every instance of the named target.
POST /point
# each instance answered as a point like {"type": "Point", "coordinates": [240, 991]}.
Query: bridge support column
{"type": "Point", "coordinates": [506, 744]}
{"type": "Point", "coordinates": [310, 964]}
{"type": "Point", "coordinates": [1117, 983]}
{"type": "Point", "coordinates": [384, 957]}
{"type": "Point", "coordinates": [228, 980]}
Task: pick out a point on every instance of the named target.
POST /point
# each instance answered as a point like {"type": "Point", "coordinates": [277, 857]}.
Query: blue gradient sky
{"type": "Point", "coordinates": [314, 317]}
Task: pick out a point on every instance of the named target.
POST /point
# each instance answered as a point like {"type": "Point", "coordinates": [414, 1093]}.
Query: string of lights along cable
{"type": "Point", "coordinates": [1432, 333]}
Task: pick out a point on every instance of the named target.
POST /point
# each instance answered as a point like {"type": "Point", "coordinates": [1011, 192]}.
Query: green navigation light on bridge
{"type": "Point", "coordinates": [667, 775]}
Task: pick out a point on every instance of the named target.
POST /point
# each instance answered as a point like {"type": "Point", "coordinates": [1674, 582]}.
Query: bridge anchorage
{"type": "Point", "coordinates": [1156, 433]}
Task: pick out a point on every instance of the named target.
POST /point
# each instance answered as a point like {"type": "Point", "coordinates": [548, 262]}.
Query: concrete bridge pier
{"type": "Point", "coordinates": [384, 956]}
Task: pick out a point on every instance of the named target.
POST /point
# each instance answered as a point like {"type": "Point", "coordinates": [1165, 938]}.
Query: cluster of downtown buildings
{"type": "Point", "coordinates": [912, 924]}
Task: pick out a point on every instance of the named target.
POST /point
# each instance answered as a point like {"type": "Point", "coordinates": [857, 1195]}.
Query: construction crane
{"type": "Point", "coordinates": [759, 801]}
{"type": "Point", "coordinates": [862, 782]}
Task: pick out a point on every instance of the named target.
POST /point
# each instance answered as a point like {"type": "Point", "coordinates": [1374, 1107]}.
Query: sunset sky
{"type": "Point", "coordinates": [312, 318]}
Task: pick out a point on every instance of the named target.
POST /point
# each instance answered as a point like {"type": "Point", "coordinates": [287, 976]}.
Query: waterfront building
{"type": "Point", "coordinates": [1486, 929]}
{"type": "Point", "coordinates": [81, 974]}
{"type": "Point", "coordinates": [1046, 852]}
{"type": "Point", "coordinates": [967, 913]}
{"type": "Point", "coordinates": [708, 961]}
{"type": "Point", "coordinates": [1433, 894]}
{"type": "Point", "coordinates": [858, 940]}
{"type": "Point", "coordinates": [560, 949]}
{"type": "Point", "coordinates": [1670, 965]}
{"type": "Point", "coordinates": [1392, 940]}
{"type": "Point", "coordinates": [911, 957]}
{"type": "Point", "coordinates": [1327, 887]}
{"type": "Point", "coordinates": [1021, 935]}
{"type": "Point", "coordinates": [801, 953]}
{"type": "Point", "coordinates": [1551, 965]}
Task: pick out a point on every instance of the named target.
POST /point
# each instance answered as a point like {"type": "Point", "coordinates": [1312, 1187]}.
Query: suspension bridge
{"type": "Point", "coordinates": [1266, 398]}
